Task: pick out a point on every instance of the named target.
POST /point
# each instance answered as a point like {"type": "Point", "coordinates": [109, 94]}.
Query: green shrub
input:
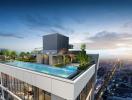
{"type": "Point", "coordinates": [83, 66]}
{"type": "Point", "coordinates": [26, 60]}
{"type": "Point", "coordinates": [59, 65]}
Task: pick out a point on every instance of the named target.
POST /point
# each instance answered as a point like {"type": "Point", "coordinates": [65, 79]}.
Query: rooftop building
{"type": "Point", "coordinates": [53, 43]}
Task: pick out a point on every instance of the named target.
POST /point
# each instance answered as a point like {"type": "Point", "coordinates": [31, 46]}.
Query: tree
{"type": "Point", "coordinates": [13, 54]}
{"type": "Point", "coordinates": [83, 47]}
{"type": "Point", "coordinates": [28, 54]}
{"type": "Point", "coordinates": [22, 54]}
{"type": "Point", "coordinates": [83, 58]}
{"type": "Point", "coordinates": [5, 52]}
{"type": "Point", "coordinates": [1, 52]}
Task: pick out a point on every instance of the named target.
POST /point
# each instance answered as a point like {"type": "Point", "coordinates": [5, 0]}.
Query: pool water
{"type": "Point", "coordinates": [64, 72]}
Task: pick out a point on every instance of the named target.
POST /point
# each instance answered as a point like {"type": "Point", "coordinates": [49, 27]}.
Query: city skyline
{"type": "Point", "coordinates": [104, 26]}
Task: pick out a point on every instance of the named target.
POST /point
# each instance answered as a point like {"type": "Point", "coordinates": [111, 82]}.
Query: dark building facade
{"type": "Point", "coordinates": [53, 43]}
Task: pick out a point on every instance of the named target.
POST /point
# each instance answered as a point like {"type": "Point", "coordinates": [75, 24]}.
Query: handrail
{"type": "Point", "coordinates": [11, 93]}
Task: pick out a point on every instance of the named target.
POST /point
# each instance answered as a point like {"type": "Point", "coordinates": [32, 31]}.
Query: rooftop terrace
{"type": "Point", "coordinates": [55, 80]}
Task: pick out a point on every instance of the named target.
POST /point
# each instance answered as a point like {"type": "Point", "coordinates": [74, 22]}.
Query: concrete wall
{"type": "Point", "coordinates": [40, 58]}
{"type": "Point", "coordinates": [54, 97]}
{"type": "Point", "coordinates": [55, 59]}
{"type": "Point", "coordinates": [81, 81]}
{"type": "Point", "coordinates": [96, 58]}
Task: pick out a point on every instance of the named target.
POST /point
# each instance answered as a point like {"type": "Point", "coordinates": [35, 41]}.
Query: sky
{"type": "Point", "coordinates": [105, 26]}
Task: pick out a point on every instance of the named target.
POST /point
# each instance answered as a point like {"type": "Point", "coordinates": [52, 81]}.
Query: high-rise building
{"type": "Point", "coordinates": [33, 81]}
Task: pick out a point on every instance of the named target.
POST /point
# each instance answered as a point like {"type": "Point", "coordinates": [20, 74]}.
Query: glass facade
{"type": "Point", "coordinates": [23, 90]}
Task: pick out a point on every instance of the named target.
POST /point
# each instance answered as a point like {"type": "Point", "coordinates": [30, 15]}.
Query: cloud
{"type": "Point", "coordinates": [10, 35]}
{"type": "Point", "coordinates": [108, 40]}
{"type": "Point", "coordinates": [110, 36]}
{"type": "Point", "coordinates": [127, 24]}
{"type": "Point", "coordinates": [41, 22]}
{"type": "Point", "coordinates": [127, 27]}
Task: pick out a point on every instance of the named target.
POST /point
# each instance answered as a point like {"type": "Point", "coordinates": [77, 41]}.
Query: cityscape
{"type": "Point", "coordinates": [66, 50]}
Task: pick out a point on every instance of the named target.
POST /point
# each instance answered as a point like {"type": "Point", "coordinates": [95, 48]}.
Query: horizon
{"type": "Point", "coordinates": [104, 26]}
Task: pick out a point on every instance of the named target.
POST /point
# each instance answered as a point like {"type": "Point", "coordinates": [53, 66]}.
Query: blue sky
{"type": "Point", "coordinates": [104, 25]}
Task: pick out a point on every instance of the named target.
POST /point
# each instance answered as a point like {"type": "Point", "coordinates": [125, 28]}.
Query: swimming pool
{"type": "Point", "coordinates": [64, 72]}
